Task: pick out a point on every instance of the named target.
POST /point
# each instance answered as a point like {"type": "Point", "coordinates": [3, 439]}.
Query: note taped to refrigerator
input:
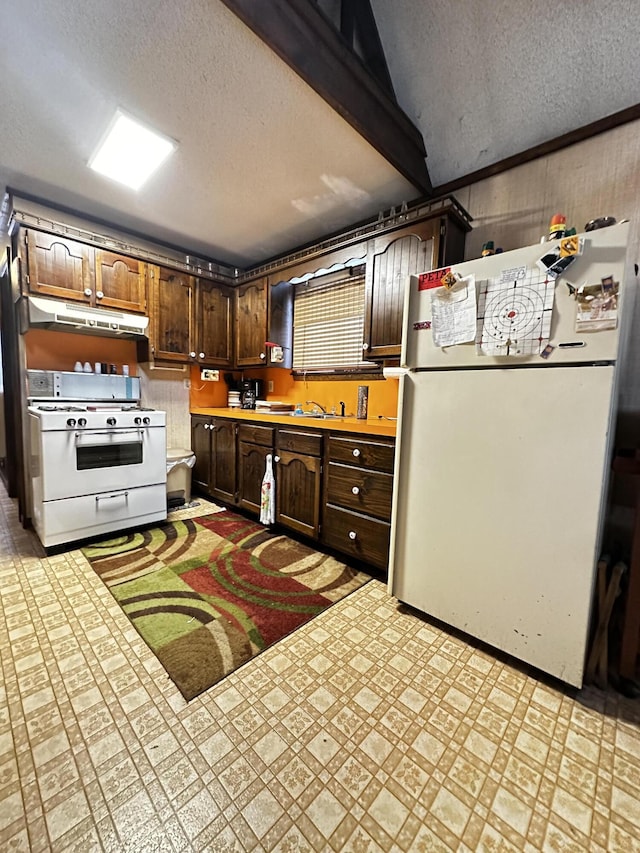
{"type": "Point", "coordinates": [597, 306]}
{"type": "Point", "coordinates": [453, 313]}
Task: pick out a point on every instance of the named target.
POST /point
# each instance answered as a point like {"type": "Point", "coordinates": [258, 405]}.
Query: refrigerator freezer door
{"type": "Point", "coordinates": [604, 255]}
{"type": "Point", "coordinates": [500, 476]}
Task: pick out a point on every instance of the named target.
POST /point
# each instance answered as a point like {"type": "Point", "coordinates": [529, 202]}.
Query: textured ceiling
{"type": "Point", "coordinates": [263, 163]}
{"type": "Point", "coordinates": [484, 81]}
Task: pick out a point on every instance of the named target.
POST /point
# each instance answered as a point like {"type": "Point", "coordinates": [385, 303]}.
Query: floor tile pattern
{"type": "Point", "coordinates": [368, 729]}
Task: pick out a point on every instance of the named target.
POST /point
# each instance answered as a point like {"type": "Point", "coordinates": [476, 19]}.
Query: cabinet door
{"type": "Point", "coordinates": [172, 316]}
{"type": "Point", "coordinates": [201, 432]}
{"type": "Point", "coordinates": [58, 267]}
{"type": "Point", "coordinates": [214, 323]}
{"type": "Point", "coordinates": [298, 492]}
{"type": "Point", "coordinates": [223, 460]}
{"type": "Point", "coordinates": [121, 282]}
{"type": "Point", "coordinates": [251, 323]}
{"type": "Point", "coordinates": [251, 466]}
{"type": "Point", "coordinates": [393, 258]}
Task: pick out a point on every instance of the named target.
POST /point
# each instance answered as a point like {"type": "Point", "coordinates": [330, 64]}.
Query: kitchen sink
{"type": "Point", "coordinates": [318, 415]}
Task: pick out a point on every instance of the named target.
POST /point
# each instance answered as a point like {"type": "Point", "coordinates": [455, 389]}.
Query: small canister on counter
{"type": "Point", "coordinates": [363, 402]}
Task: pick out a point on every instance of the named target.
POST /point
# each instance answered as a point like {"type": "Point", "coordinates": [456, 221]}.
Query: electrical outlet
{"type": "Point", "coordinates": [208, 375]}
{"type": "Point", "coordinates": [270, 386]}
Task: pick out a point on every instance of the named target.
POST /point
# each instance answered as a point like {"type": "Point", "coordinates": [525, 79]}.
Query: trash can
{"type": "Point", "coordinates": [179, 465]}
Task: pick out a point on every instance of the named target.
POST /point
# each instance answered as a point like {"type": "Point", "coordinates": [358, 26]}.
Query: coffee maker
{"type": "Point", "coordinates": [250, 391]}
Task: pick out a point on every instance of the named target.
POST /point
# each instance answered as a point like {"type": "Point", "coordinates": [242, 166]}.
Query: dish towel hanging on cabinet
{"type": "Point", "coordinates": [267, 494]}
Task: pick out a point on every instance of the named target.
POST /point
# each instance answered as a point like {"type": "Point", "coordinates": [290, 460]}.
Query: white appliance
{"type": "Point", "coordinates": [95, 468]}
{"type": "Point", "coordinates": [502, 459]}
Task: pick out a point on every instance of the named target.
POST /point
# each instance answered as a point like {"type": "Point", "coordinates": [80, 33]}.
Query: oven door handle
{"type": "Point", "coordinates": [118, 432]}
{"type": "Point", "coordinates": [124, 495]}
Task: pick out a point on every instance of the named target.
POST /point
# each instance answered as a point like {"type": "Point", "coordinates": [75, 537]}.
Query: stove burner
{"type": "Point", "coordinates": [62, 408]}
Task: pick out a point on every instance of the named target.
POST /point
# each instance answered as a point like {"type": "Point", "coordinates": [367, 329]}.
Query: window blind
{"type": "Point", "coordinates": [328, 324]}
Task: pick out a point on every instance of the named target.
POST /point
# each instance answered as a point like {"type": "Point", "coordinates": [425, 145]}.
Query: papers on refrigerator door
{"type": "Point", "coordinates": [453, 313]}
{"type": "Point", "coordinates": [597, 306]}
{"type": "Point", "coordinates": [514, 313]}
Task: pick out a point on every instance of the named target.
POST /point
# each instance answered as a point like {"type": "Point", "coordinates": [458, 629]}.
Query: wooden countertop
{"type": "Point", "coordinates": [372, 426]}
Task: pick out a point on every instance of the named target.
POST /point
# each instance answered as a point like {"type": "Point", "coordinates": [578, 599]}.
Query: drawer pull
{"type": "Point", "coordinates": [355, 490]}
{"type": "Point", "coordinates": [356, 452]}
{"type": "Point", "coordinates": [352, 534]}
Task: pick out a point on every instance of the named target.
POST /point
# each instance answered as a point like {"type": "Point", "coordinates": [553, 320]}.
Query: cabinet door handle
{"type": "Point", "coordinates": [87, 291]}
{"type": "Point", "coordinates": [262, 356]}
{"type": "Point", "coordinates": [355, 490]}
{"type": "Point", "coordinates": [99, 294]}
{"type": "Point", "coordinates": [356, 452]}
{"type": "Point", "coordinates": [201, 355]}
{"type": "Point", "coordinates": [192, 355]}
{"type": "Point", "coordinates": [365, 346]}
{"type": "Point", "coordinates": [276, 458]}
{"type": "Point", "coordinates": [352, 534]}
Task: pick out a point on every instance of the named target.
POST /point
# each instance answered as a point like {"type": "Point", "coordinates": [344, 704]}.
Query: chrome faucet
{"type": "Point", "coordinates": [313, 402]}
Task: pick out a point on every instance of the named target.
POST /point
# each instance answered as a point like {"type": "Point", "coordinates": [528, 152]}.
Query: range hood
{"type": "Point", "coordinates": [70, 317]}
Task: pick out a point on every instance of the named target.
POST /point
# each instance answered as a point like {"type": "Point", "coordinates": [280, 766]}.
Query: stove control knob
{"type": "Point", "coordinates": [71, 422]}
{"type": "Point", "coordinates": [82, 422]}
{"type": "Point", "coordinates": [137, 421]}
{"type": "Point", "coordinates": [146, 421]}
{"type": "Point", "coordinates": [111, 421]}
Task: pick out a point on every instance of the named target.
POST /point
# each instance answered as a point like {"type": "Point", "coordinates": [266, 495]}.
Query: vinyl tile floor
{"type": "Point", "coordinates": [366, 730]}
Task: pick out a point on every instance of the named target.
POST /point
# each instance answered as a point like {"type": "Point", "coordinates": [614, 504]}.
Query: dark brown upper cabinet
{"type": "Point", "coordinates": [393, 256]}
{"type": "Point", "coordinates": [66, 269]}
{"type": "Point", "coordinates": [391, 259]}
{"type": "Point", "coordinates": [191, 319]}
{"type": "Point", "coordinates": [251, 323]}
{"type": "Point", "coordinates": [58, 267]}
{"type": "Point", "coordinates": [172, 311]}
{"type": "Point", "coordinates": [121, 282]}
{"type": "Point", "coordinates": [214, 323]}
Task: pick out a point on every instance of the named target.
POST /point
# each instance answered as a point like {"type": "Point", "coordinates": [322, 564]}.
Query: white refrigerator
{"type": "Point", "coordinates": [504, 445]}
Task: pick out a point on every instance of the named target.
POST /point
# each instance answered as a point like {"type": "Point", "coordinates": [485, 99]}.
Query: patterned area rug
{"type": "Point", "coordinates": [209, 593]}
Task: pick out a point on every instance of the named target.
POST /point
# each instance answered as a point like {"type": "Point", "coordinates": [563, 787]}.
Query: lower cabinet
{"type": "Point", "coordinates": [298, 480]}
{"type": "Point", "coordinates": [358, 488]}
{"type": "Point", "coordinates": [255, 443]}
{"type": "Point", "coordinates": [335, 488]}
{"type": "Point", "coordinates": [213, 440]}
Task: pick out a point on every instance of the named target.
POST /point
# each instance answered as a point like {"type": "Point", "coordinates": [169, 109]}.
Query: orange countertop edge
{"type": "Point", "coordinates": [373, 426]}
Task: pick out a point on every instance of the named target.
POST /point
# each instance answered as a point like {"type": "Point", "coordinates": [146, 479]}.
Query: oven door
{"type": "Point", "coordinates": [88, 461]}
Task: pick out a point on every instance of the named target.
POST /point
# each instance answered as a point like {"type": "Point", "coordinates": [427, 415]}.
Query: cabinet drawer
{"type": "Point", "coordinates": [361, 537]}
{"type": "Point", "coordinates": [368, 492]}
{"type": "Point", "coordinates": [255, 434]}
{"type": "Point", "coordinates": [307, 443]}
{"type": "Point", "coordinates": [362, 453]}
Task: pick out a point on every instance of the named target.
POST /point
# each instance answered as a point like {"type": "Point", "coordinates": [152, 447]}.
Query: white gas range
{"type": "Point", "coordinates": [96, 467]}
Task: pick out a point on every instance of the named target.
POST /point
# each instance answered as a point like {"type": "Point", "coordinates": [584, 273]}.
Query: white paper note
{"type": "Point", "coordinates": [453, 313]}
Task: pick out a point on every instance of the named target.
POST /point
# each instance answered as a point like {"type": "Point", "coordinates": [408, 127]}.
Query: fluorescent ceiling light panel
{"type": "Point", "coordinates": [130, 152]}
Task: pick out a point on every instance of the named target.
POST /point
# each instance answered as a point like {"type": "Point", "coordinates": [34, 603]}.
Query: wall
{"type": "Point", "coordinates": [383, 393]}
{"type": "Point", "coordinates": [53, 350]}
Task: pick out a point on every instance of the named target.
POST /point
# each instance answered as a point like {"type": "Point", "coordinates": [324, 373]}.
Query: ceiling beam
{"type": "Point", "coordinates": [301, 36]}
